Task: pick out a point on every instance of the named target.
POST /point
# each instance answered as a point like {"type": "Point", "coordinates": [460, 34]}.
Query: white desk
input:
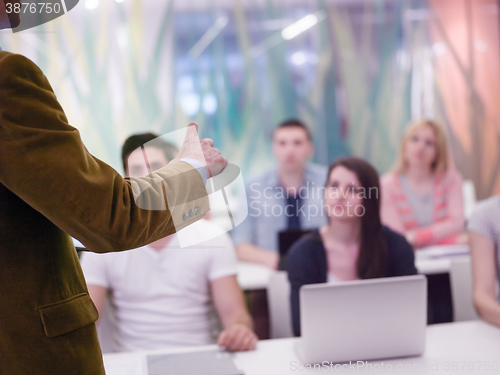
{"type": "Point", "coordinates": [466, 341]}
{"type": "Point", "coordinates": [437, 259]}
{"type": "Point", "coordinates": [436, 265]}
{"type": "Point", "coordinates": [431, 260]}
{"type": "Point", "coordinates": [252, 276]}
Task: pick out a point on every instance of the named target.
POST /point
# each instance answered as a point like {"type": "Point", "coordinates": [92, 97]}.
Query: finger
{"type": "Point", "coordinates": [222, 339]}
{"type": "Point", "coordinates": [246, 343]}
{"type": "Point", "coordinates": [248, 340]}
{"type": "Point", "coordinates": [195, 125]}
{"type": "Point", "coordinates": [254, 342]}
{"type": "Point", "coordinates": [191, 133]}
{"type": "Point", "coordinates": [208, 141]}
{"type": "Point", "coordinates": [228, 340]}
{"type": "Point", "coordinates": [216, 167]}
{"type": "Point", "coordinates": [236, 340]}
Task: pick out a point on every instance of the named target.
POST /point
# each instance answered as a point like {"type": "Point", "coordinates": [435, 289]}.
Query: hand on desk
{"type": "Point", "coordinates": [238, 337]}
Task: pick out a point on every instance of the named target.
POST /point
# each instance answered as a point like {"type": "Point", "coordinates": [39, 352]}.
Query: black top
{"type": "Point", "coordinates": [307, 264]}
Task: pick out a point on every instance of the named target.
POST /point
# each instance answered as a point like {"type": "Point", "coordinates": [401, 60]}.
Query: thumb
{"type": "Point", "coordinates": [222, 339]}
{"type": "Point", "coordinates": [192, 131]}
{"type": "Point", "coordinates": [191, 136]}
{"type": "Point", "coordinates": [191, 147]}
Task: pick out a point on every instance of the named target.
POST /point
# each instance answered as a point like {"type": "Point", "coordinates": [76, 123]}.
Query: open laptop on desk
{"type": "Point", "coordinates": [286, 238]}
{"type": "Point", "coordinates": [363, 319]}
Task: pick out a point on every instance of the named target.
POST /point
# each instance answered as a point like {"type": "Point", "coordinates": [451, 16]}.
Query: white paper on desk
{"type": "Point", "coordinates": [441, 251]}
{"type": "Point", "coordinates": [125, 364]}
{"type": "Point", "coordinates": [210, 362]}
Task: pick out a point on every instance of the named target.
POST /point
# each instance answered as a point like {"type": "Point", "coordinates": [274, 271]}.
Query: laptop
{"type": "Point", "coordinates": [363, 319]}
{"type": "Point", "coordinates": [286, 239]}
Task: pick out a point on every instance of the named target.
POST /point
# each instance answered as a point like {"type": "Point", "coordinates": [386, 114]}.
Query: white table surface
{"type": "Point", "coordinates": [252, 276]}
{"type": "Point", "coordinates": [431, 260]}
{"type": "Point", "coordinates": [472, 343]}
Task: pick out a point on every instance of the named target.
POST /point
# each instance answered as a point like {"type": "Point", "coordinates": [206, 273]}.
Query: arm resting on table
{"type": "Point", "coordinates": [484, 276]}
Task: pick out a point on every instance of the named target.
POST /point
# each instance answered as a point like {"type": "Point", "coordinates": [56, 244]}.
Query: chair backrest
{"type": "Point", "coordinates": [462, 291]}
{"type": "Point", "coordinates": [469, 195]}
{"type": "Point", "coordinates": [106, 327]}
{"type": "Point", "coordinates": [278, 297]}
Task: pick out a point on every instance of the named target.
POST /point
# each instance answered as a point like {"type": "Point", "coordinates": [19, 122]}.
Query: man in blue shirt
{"type": "Point", "coordinates": [287, 197]}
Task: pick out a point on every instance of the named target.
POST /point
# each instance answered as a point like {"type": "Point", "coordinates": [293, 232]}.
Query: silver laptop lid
{"type": "Point", "coordinates": [363, 319]}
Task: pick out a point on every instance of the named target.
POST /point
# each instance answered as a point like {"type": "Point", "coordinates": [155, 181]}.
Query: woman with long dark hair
{"type": "Point", "coordinates": [354, 245]}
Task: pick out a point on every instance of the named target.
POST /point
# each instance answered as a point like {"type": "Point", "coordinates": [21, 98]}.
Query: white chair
{"type": "Point", "coordinates": [469, 195]}
{"type": "Point", "coordinates": [278, 298]}
{"type": "Point", "coordinates": [462, 291]}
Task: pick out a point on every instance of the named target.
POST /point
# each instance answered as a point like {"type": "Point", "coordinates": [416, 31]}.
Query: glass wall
{"type": "Point", "coordinates": [360, 72]}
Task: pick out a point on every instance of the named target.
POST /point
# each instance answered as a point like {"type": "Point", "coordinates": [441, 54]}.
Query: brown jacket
{"type": "Point", "coordinates": [50, 186]}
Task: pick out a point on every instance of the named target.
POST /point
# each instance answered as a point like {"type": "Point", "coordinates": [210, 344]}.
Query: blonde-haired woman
{"type": "Point", "coordinates": [422, 195]}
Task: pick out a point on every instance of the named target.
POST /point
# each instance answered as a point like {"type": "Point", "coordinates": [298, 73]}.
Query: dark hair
{"type": "Point", "coordinates": [138, 140]}
{"type": "Point", "coordinates": [294, 123]}
{"type": "Point", "coordinates": [373, 256]}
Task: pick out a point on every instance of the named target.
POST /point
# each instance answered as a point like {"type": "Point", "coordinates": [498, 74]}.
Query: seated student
{"type": "Point", "coordinates": [354, 244]}
{"type": "Point", "coordinates": [484, 240]}
{"type": "Point", "coordinates": [163, 294]}
{"type": "Point", "coordinates": [422, 196]}
{"type": "Point", "coordinates": [285, 197]}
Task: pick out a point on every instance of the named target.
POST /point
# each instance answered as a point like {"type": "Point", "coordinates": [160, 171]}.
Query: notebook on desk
{"type": "Point", "coordinates": [210, 362]}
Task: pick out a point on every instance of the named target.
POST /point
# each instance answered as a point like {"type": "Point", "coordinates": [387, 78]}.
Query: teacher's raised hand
{"type": "Point", "coordinates": [202, 151]}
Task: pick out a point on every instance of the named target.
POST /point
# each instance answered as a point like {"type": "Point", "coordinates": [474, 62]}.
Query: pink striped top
{"type": "Point", "coordinates": [397, 212]}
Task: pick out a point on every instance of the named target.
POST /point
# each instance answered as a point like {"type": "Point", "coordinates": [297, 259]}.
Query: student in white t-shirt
{"type": "Point", "coordinates": [163, 295]}
{"type": "Point", "coordinates": [484, 240]}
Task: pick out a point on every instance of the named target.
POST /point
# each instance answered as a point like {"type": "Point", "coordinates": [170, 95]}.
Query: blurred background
{"type": "Point", "coordinates": [356, 71]}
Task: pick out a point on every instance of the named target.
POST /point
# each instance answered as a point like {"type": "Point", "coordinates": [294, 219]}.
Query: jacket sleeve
{"type": "Point", "coordinates": [44, 162]}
